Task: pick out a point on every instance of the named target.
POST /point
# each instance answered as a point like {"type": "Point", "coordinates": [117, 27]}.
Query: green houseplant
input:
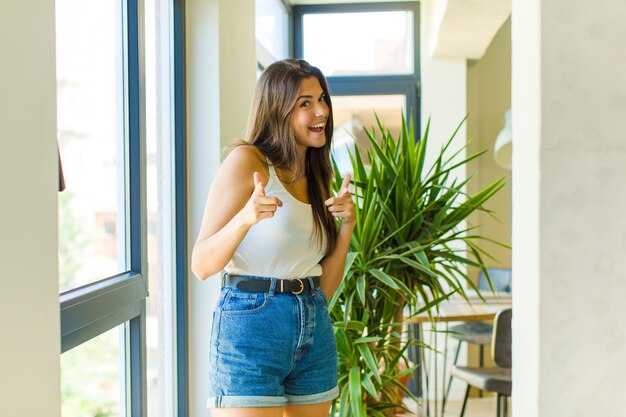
{"type": "Point", "coordinates": [404, 256]}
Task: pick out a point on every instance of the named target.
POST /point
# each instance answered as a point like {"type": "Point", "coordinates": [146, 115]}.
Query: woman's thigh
{"type": "Point", "coordinates": [307, 410]}
{"type": "Point", "coordinates": [247, 412]}
{"type": "Point", "coordinates": [291, 410]}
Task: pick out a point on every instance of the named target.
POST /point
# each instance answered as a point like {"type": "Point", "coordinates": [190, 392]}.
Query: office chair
{"type": "Point", "coordinates": [479, 333]}
{"type": "Point", "coordinates": [496, 379]}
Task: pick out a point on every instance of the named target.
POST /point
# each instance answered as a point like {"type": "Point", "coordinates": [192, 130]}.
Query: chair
{"type": "Point", "coordinates": [496, 379]}
{"type": "Point", "coordinates": [479, 333]}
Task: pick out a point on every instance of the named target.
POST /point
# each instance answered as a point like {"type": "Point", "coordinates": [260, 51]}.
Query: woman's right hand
{"type": "Point", "coordinates": [259, 206]}
{"type": "Point", "coordinates": [234, 205]}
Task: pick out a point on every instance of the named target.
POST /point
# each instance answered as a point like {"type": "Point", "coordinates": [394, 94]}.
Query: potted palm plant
{"type": "Point", "coordinates": [404, 259]}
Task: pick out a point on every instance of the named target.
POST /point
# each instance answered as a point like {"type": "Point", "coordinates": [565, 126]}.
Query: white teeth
{"type": "Point", "coordinates": [319, 125]}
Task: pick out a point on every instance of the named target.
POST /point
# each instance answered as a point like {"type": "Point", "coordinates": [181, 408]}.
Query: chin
{"type": "Point", "coordinates": [318, 142]}
{"type": "Point", "coordinates": [317, 146]}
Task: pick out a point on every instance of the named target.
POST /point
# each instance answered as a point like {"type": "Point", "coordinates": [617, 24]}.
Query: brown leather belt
{"type": "Point", "coordinates": [259, 284]}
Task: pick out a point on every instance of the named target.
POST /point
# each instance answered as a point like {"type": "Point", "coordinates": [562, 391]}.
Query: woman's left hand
{"type": "Point", "coordinates": [342, 205]}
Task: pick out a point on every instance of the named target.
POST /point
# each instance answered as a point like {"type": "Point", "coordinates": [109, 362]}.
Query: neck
{"type": "Point", "coordinates": [301, 163]}
{"type": "Point", "coordinates": [289, 175]}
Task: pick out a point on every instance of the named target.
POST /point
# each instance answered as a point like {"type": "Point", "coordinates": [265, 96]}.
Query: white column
{"type": "Point", "coordinates": [221, 75]}
{"type": "Point", "coordinates": [569, 207]}
{"type": "Point", "coordinates": [29, 293]}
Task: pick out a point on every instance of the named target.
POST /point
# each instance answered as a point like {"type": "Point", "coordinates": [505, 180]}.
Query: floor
{"type": "Point", "coordinates": [476, 407]}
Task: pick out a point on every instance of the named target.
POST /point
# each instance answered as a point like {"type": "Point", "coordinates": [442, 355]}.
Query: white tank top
{"type": "Point", "coordinates": [282, 246]}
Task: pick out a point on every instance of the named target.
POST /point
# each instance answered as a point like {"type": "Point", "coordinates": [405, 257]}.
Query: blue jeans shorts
{"type": "Point", "coordinates": [271, 349]}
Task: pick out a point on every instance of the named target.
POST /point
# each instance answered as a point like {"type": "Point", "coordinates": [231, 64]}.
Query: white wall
{"type": "Point", "coordinates": [489, 96]}
{"type": "Point", "coordinates": [29, 303]}
{"type": "Point", "coordinates": [569, 205]}
{"type": "Point", "coordinates": [444, 88]}
{"type": "Point", "coordinates": [444, 101]}
{"type": "Point", "coordinates": [221, 75]}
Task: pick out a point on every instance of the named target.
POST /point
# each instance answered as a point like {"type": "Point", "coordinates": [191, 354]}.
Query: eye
{"type": "Point", "coordinates": [305, 104]}
{"type": "Point", "coordinates": [323, 99]}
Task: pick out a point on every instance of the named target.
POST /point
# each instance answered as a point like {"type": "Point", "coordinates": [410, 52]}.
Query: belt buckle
{"type": "Point", "coordinates": [301, 286]}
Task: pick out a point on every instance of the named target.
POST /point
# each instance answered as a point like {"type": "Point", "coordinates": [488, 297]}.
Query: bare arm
{"type": "Point", "coordinates": [334, 263]}
{"type": "Point", "coordinates": [235, 203]}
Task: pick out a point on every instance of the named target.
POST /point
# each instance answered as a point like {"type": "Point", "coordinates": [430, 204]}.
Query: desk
{"type": "Point", "coordinates": [454, 309]}
{"type": "Point", "coordinates": [458, 309]}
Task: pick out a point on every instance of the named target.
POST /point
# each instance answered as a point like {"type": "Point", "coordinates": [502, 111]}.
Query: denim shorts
{"type": "Point", "coordinates": [271, 349]}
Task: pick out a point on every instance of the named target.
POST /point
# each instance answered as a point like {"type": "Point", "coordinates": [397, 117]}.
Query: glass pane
{"type": "Point", "coordinates": [92, 377]}
{"type": "Point", "coordinates": [272, 27]}
{"type": "Point", "coordinates": [353, 114]}
{"type": "Point", "coordinates": [359, 43]}
{"type": "Point", "coordinates": [90, 132]}
{"type": "Point", "coordinates": [160, 199]}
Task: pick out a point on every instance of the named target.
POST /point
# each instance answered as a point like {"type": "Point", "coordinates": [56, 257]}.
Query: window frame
{"type": "Point", "coordinates": [181, 395]}
{"type": "Point", "coordinates": [355, 85]}
{"type": "Point", "coordinates": [95, 308]}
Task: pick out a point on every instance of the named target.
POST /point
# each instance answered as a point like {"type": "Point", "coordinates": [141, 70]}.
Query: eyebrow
{"type": "Point", "coordinates": [308, 96]}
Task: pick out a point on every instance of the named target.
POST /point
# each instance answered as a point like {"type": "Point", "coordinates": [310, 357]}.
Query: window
{"type": "Point", "coordinates": [121, 216]}
{"type": "Point", "coordinates": [90, 79]}
{"type": "Point", "coordinates": [93, 377]}
{"type": "Point", "coordinates": [102, 274]}
{"type": "Point", "coordinates": [363, 43]}
{"type": "Point", "coordinates": [353, 114]}
{"type": "Point", "coordinates": [369, 53]}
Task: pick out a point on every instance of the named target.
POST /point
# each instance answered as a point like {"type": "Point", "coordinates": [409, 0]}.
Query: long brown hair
{"type": "Point", "coordinates": [271, 131]}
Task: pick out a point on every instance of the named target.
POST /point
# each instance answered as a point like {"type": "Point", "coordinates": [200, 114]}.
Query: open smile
{"type": "Point", "coordinates": [317, 128]}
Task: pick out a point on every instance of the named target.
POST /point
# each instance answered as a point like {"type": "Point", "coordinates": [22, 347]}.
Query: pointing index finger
{"type": "Point", "coordinates": [344, 185]}
{"type": "Point", "coordinates": [259, 187]}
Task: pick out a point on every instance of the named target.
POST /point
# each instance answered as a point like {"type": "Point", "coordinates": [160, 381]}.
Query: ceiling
{"type": "Point", "coordinates": [465, 28]}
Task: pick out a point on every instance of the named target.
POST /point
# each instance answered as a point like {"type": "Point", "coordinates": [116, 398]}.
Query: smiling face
{"type": "Point", "coordinates": [310, 115]}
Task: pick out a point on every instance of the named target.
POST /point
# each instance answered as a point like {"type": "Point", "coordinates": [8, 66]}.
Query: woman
{"type": "Point", "coordinates": [270, 225]}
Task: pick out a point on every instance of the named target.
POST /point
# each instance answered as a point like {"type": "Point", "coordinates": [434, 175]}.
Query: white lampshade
{"type": "Point", "coordinates": [503, 148]}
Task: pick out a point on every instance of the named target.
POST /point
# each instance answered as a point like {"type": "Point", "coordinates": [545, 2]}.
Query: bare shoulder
{"type": "Point", "coordinates": [240, 164]}
{"type": "Point", "coordinates": [243, 161]}
{"type": "Point", "coordinates": [247, 154]}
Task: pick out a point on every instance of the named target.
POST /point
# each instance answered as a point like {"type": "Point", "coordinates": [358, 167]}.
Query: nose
{"type": "Point", "coordinates": [321, 109]}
